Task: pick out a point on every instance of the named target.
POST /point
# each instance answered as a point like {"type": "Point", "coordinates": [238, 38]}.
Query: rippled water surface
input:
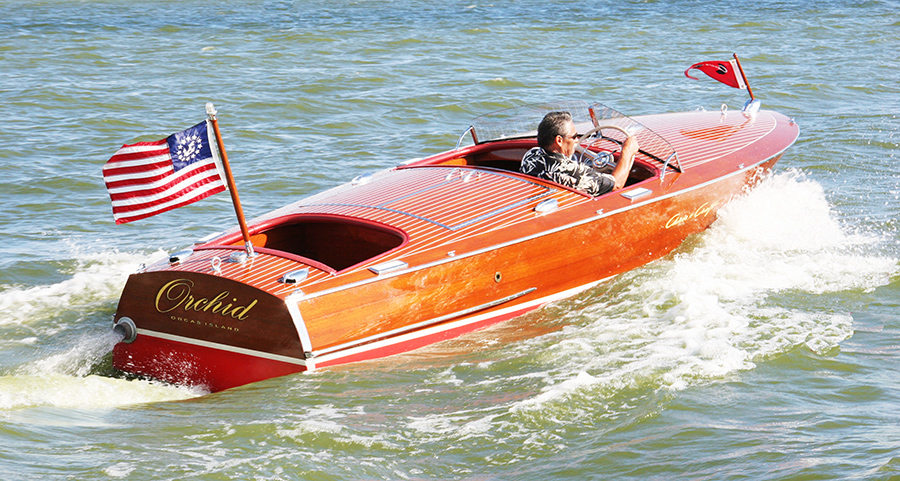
{"type": "Point", "coordinates": [764, 348]}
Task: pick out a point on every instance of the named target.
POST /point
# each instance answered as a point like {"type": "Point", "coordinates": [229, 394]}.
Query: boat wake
{"type": "Point", "coordinates": [55, 340]}
{"type": "Point", "coordinates": [92, 279]}
{"type": "Point", "coordinates": [745, 291]}
{"type": "Point", "coordinates": [777, 272]}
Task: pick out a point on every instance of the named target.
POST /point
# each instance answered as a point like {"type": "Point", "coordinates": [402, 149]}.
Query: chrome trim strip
{"type": "Point", "coordinates": [293, 308]}
{"type": "Point", "coordinates": [410, 336]}
{"type": "Point", "coordinates": [223, 347]}
{"type": "Point", "coordinates": [420, 325]}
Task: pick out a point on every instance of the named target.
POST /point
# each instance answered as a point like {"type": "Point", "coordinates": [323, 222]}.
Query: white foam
{"type": "Point", "coordinates": [63, 375]}
{"type": "Point", "coordinates": [51, 389]}
{"type": "Point", "coordinates": [78, 360]}
{"type": "Point", "coordinates": [732, 299]}
{"type": "Point", "coordinates": [96, 277]}
{"type": "Point", "coordinates": [120, 470]}
{"type": "Point", "coordinates": [65, 380]}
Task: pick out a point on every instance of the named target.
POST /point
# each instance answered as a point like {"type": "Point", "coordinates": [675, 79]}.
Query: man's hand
{"type": "Point", "coordinates": [623, 168]}
{"type": "Point", "coordinates": [630, 147]}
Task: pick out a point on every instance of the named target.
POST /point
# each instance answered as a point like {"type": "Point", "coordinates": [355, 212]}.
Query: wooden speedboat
{"type": "Point", "coordinates": [436, 247]}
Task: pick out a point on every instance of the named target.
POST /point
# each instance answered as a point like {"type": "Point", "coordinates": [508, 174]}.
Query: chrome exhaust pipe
{"type": "Point", "coordinates": [125, 327]}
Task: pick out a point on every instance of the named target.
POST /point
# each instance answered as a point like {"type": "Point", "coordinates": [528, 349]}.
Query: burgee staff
{"type": "Point", "coordinates": [744, 76]}
{"type": "Point", "coordinates": [726, 72]}
{"type": "Point", "coordinates": [229, 178]}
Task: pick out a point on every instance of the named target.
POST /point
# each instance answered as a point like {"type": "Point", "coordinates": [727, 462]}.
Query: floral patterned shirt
{"type": "Point", "coordinates": [566, 171]}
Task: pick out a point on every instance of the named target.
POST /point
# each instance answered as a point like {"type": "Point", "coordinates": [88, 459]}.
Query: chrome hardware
{"type": "Point", "coordinates": [724, 109]}
{"type": "Point", "coordinates": [676, 165]}
{"type": "Point", "coordinates": [180, 256]}
{"type": "Point", "coordinates": [389, 266]}
{"type": "Point", "coordinates": [238, 257]}
{"type": "Point", "coordinates": [294, 277]}
{"type": "Point", "coordinates": [546, 206]}
{"type": "Point", "coordinates": [471, 130]}
{"type": "Point", "coordinates": [216, 264]}
{"type": "Point", "coordinates": [751, 107]}
{"type": "Point", "coordinates": [125, 326]}
{"type": "Point", "coordinates": [362, 179]}
{"type": "Point", "coordinates": [636, 193]}
{"type": "Point", "coordinates": [603, 159]}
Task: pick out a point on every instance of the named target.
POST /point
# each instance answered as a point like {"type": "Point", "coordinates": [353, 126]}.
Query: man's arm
{"type": "Point", "coordinates": [623, 167]}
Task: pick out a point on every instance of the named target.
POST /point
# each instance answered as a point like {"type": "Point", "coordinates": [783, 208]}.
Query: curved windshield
{"type": "Point", "coordinates": [522, 122]}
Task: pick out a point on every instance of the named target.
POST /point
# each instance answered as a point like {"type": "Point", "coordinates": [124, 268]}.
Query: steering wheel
{"type": "Point", "coordinates": [603, 159]}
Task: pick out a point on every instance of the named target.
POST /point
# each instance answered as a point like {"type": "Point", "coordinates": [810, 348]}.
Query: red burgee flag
{"type": "Point", "coordinates": [147, 178]}
{"type": "Point", "coordinates": [725, 72]}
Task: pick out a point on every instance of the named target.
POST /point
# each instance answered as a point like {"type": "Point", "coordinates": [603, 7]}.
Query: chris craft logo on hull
{"type": "Point", "coordinates": [178, 295]}
{"type": "Point", "coordinates": [684, 217]}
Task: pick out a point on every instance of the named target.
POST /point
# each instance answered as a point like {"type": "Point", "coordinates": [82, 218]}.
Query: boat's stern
{"type": "Point", "coordinates": [204, 330]}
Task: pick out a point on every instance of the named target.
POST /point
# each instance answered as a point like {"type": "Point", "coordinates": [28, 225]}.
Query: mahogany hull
{"type": "Point", "coordinates": [457, 275]}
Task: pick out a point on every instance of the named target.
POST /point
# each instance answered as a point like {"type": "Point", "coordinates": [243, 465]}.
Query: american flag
{"type": "Point", "coordinates": [148, 178]}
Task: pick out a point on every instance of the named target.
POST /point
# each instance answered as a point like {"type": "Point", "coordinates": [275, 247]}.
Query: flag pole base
{"type": "Point", "coordinates": [752, 106]}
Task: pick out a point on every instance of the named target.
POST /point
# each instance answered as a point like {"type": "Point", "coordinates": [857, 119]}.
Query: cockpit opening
{"type": "Point", "coordinates": [335, 241]}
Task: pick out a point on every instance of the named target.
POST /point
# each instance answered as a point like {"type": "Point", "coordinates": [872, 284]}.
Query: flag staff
{"type": "Point", "coordinates": [235, 199]}
{"type": "Point", "coordinates": [741, 69]}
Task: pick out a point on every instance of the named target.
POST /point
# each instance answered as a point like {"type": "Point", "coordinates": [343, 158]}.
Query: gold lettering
{"type": "Point", "coordinates": [216, 302]}
{"type": "Point", "coordinates": [207, 324]}
{"type": "Point", "coordinates": [175, 291]}
{"type": "Point", "coordinates": [679, 219]}
{"type": "Point", "coordinates": [177, 294]}
{"type": "Point", "coordinates": [242, 315]}
{"type": "Point", "coordinates": [198, 304]}
{"type": "Point", "coordinates": [225, 309]}
{"type": "Point", "coordinates": [188, 304]}
{"type": "Point", "coordinates": [676, 219]}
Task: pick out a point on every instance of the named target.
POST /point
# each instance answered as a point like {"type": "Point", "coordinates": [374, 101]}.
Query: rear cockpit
{"type": "Point", "coordinates": [330, 243]}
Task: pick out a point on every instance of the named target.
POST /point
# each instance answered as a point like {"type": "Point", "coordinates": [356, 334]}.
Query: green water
{"type": "Point", "coordinates": [764, 348]}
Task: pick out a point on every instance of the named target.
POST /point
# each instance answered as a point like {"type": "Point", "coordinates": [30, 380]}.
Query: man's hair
{"type": "Point", "coordinates": [552, 125]}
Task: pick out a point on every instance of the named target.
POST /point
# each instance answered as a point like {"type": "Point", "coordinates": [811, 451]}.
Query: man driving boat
{"type": "Point", "coordinates": [552, 158]}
